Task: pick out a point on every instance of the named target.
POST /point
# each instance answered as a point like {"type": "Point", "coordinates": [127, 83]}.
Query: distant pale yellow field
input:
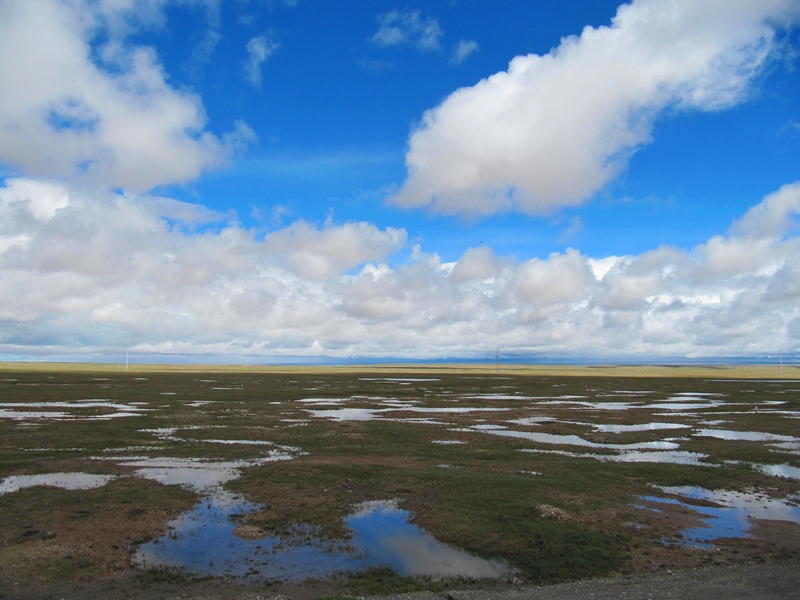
{"type": "Point", "coordinates": [755, 371]}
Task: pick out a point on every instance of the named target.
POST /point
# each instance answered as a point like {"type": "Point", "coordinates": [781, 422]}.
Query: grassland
{"type": "Point", "coordinates": [488, 495]}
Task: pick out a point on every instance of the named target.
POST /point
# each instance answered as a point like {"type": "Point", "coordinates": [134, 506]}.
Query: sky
{"type": "Point", "coordinates": [279, 181]}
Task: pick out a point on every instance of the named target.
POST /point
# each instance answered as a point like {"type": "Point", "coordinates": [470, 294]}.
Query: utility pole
{"type": "Point", "coordinates": [497, 362]}
{"type": "Point", "coordinates": [781, 360]}
{"type": "Point", "coordinates": [127, 354]}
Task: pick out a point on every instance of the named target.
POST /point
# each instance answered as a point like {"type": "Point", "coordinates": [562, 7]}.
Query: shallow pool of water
{"type": "Point", "coordinates": [730, 515]}
{"type": "Point", "coordinates": [747, 436]}
{"type": "Point", "coordinates": [677, 457]}
{"type": "Point", "coordinates": [201, 475]}
{"type": "Point", "coordinates": [785, 471]}
{"type": "Point", "coordinates": [611, 428]}
{"type": "Point", "coordinates": [205, 541]}
{"type": "Point", "coordinates": [573, 440]}
{"type": "Point", "coordinates": [66, 481]}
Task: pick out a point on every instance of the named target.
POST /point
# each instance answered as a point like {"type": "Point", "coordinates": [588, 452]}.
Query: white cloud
{"type": "Point", "coordinates": [259, 49]}
{"type": "Point", "coordinates": [84, 269]}
{"type": "Point", "coordinates": [114, 120]}
{"type": "Point", "coordinates": [319, 255]}
{"type": "Point", "coordinates": [774, 216]}
{"type": "Point", "coordinates": [462, 50]}
{"type": "Point", "coordinates": [374, 66]}
{"type": "Point", "coordinates": [553, 129]}
{"type": "Point", "coordinates": [407, 26]}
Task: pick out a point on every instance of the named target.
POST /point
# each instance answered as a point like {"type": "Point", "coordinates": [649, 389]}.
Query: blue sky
{"type": "Point", "coordinates": [306, 180]}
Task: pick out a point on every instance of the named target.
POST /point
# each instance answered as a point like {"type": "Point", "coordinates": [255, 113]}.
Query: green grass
{"type": "Point", "coordinates": [485, 502]}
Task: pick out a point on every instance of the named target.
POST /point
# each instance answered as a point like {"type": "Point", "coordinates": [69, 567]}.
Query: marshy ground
{"type": "Point", "coordinates": [324, 482]}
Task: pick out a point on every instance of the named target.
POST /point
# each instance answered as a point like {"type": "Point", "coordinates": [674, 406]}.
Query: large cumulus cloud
{"type": "Point", "coordinates": [99, 113]}
{"type": "Point", "coordinates": [552, 130]}
{"type": "Point", "coordinates": [83, 270]}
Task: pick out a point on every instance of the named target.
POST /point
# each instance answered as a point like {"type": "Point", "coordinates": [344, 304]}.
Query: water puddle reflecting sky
{"type": "Point", "coordinates": [205, 541]}
{"type": "Point", "coordinates": [729, 514]}
{"type": "Point", "coordinates": [747, 436]}
{"type": "Point", "coordinates": [678, 457]}
{"type": "Point", "coordinates": [785, 471]}
{"type": "Point", "coordinates": [639, 427]}
{"type": "Point", "coordinates": [573, 440]}
{"type": "Point", "coordinates": [19, 411]}
{"type": "Point", "coordinates": [66, 481]}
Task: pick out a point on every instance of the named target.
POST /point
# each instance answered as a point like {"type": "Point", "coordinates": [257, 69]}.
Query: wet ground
{"type": "Point", "coordinates": [314, 484]}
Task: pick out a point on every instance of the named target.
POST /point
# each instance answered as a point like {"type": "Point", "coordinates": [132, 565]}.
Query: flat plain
{"type": "Point", "coordinates": [347, 481]}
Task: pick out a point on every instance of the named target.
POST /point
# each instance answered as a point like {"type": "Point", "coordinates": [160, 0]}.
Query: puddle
{"type": "Point", "coordinates": [369, 414]}
{"type": "Point", "coordinates": [498, 397]}
{"type": "Point", "coordinates": [641, 427]}
{"type": "Point", "coordinates": [785, 471]}
{"type": "Point", "coordinates": [596, 405]}
{"type": "Point", "coordinates": [27, 415]}
{"type": "Point", "coordinates": [347, 414]}
{"type": "Point", "coordinates": [684, 406]}
{"type": "Point", "coordinates": [12, 410]}
{"type": "Point", "coordinates": [574, 440]}
{"type": "Point", "coordinates": [420, 421]}
{"type": "Point", "coordinates": [677, 457]}
{"type": "Point", "coordinates": [451, 410]}
{"type": "Point", "coordinates": [205, 541]}
{"type": "Point", "coordinates": [747, 436]}
{"type": "Point", "coordinates": [323, 401]}
{"type": "Point", "coordinates": [532, 420]}
{"type": "Point", "coordinates": [730, 514]}
{"type": "Point", "coordinates": [448, 442]}
{"type": "Point", "coordinates": [200, 475]}
{"type": "Point", "coordinates": [406, 379]}
{"type": "Point", "coordinates": [66, 481]}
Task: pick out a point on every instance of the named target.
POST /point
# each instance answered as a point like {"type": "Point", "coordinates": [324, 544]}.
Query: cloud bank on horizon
{"type": "Point", "coordinates": [91, 256]}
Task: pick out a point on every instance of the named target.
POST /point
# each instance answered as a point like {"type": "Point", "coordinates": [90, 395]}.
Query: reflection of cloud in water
{"type": "Point", "coordinates": [368, 414]}
{"type": "Point", "coordinates": [323, 401]}
{"type": "Point", "coordinates": [12, 410]}
{"type": "Point", "coordinates": [406, 379]}
{"type": "Point", "coordinates": [677, 457]}
{"type": "Point", "coordinates": [685, 406]}
{"type": "Point", "coordinates": [640, 427]}
{"type": "Point", "coordinates": [347, 414]}
{"type": "Point", "coordinates": [787, 471]}
{"type": "Point", "coordinates": [382, 529]}
{"type": "Point", "coordinates": [595, 405]}
{"type": "Point", "coordinates": [66, 481]}
{"type": "Point", "coordinates": [574, 440]}
{"type": "Point", "coordinates": [200, 475]}
{"type": "Point", "coordinates": [203, 541]}
{"type": "Point", "coordinates": [532, 420]}
{"type": "Point", "coordinates": [747, 436]}
{"type": "Point", "coordinates": [731, 518]}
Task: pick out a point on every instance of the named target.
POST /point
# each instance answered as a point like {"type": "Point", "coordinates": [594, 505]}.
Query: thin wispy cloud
{"type": "Point", "coordinates": [398, 27]}
{"type": "Point", "coordinates": [259, 49]}
{"type": "Point", "coordinates": [462, 50]}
